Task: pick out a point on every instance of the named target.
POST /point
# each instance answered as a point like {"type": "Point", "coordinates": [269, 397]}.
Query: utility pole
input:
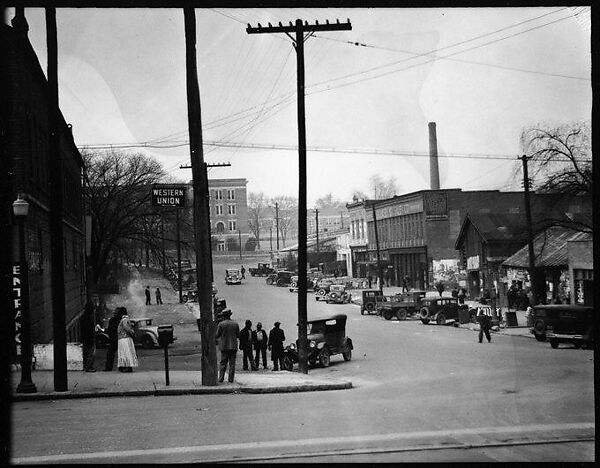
{"type": "Point", "coordinates": [299, 30]}
{"type": "Point", "coordinates": [317, 227]}
{"type": "Point", "coordinates": [240, 234]}
{"type": "Point", "coordinates": [56, 212]}
{"type": "Point", "coordinates": [201, 213]}
{"type": "Point", "coordinates": [277, 223]}
{"type": "Point", "coordinates": [532, 270]}
{"type": "Point", "coordinates": [271, 238]}
{"type": "Point", "coordinates": [179, 285]}
{"type": "Point", "coordinates": [379, 271]}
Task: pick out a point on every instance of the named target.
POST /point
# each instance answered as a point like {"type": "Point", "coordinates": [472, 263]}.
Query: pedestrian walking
{"type": "Point", "coordinates": [228, 332]}
{"type": "Point", "coordinates": [111, 331]}
{"type": "Point", "coordinates": [147, 292]}
{"type": "Point", "coordinates": [461, 296]}
{"type": "Point", "coordinates": [369, 279]}
{"type": "Point", "coordinates": [88, 330]}
{"type": "Point", "coordinates": [158, 296]}
{"type": "Point", "coordinates": [485, 323]}
{"type": "Point", "coordinates": [127, 359]}
{"type": "Point", "coordinates": [243, 272]}
{"type": "Point", "coordinates": [275, 345]}
{"type": "Point", "coordinates": [259, 341]}
{"type": "Point", "coordinates": [246, 346]}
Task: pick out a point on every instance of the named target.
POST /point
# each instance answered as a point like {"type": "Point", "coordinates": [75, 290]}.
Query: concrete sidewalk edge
{"type": "Point", "coordinates": [181, 391]}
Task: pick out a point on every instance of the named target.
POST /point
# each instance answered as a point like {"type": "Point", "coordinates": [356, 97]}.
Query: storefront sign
{"type": "Point", "coordinates": [436, 204]}
{"type": "Point", "coordinates": [16, 283]}
{"type": "Point", "coordinates": [165, 195]}
{"type": "Point", "coordinates": [473, 262]}
{"type": "Point", "coordinates": [398, 210]}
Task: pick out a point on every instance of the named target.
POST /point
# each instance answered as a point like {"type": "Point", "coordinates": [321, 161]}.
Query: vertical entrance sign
{"type": "Point", "coordinates": [299, 30]}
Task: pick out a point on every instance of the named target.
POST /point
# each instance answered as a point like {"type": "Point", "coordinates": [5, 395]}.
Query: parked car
{"type": "Point", "coordinates": [233, 276]}
{"type": "Point", "coordinates": [280, 278]}
{"type": "Point", "coordinates": [326, 337]}
{"type": "Point", "coordinates": [191, 295]}
{"type": "Point", "coordinates": [263, 269]}
{"type": "Point", "coordinates": [400, 305]}
{"type": "Point", "coordinates": [321, 287]}
{"type": "Point", "coordinates": [294, 282]}
{"type": "Point", "coordinates": [338, 294]}
{"type": "Point", "coordinates": [145, 333]}
{"type": "Point", "coordinates": [563, 323]}
{"type": "Point", "coordinates": [369, 300]}
{"type": "Point", "coordinates": [440, 309]}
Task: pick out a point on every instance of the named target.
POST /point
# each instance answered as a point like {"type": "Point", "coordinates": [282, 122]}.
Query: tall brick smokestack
{"type": "Point", "coordinates": [434, 172]}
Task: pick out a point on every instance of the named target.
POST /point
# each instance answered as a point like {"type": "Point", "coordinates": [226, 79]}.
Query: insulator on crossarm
{"type": "Point", "coordinates": [306, 23]}
{"type": "Point", "coordinates": [280, 25]}
{"type": "Point", "coordinates": [270, 25]}
{"type": "Point", "coordinates": [316, 22]}
{"type": "Point", "coordinates": [337, 21]}
{"type": "Point", "coordinates": [249, 26]}
{"type": "Point", "coordinates": [259, 25]}
{"type": "Point", "coordinates": [291, 23]}
{"type": "Point", "coordinates": [326, 21]}
{"type": "Point", "coordinates": [348, 20]}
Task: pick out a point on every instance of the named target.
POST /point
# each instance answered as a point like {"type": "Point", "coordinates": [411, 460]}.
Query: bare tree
{"type": "Point", "coordinates": [560, 157]}
{"type": "Point", "coordinates": [288, 213]}
{"type": "Point", "coordinates": [380, 189]}
{"type": "Point", "coordinates": [118, 193]}
{"type": "Point", "coordinates": [257, 203]}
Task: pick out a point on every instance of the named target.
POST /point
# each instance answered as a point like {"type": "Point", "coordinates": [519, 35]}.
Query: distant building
{"type": "Point", "coordinates": [24, 140]}
{"type": "Point", "coordinates": [228, 206]}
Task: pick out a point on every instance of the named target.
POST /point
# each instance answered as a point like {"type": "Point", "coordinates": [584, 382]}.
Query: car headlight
{"type": "Point", "coordinates": [312, 344]}
{"type": "Point", "coordinates": [292, 346]}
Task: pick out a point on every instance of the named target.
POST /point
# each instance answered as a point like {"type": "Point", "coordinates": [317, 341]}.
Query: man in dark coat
{"type": "Point", "coordinates": [158, 296]}
{"type": "Point", "coordinates": [275, 344]}
{"type": "Point", "coordinates": [259, 341]}
{"type": "Point", "coordinates": [246, 345]}
{"type": "Point", "coordinates": [147, 292]}
{"type": "Point", "coordinates": [88, 323]}
{"type": "Point", "coordinates": [485, 323]}
{"type": "Point", "coordinates": [228, 332]}
{"type": "Point", "coordinates": [111, 331]}
{"type": "Point", "coordinates": [243, 272]}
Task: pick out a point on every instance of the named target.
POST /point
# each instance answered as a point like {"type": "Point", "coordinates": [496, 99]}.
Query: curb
{"type": "Point", "coordinates": [181, 391]}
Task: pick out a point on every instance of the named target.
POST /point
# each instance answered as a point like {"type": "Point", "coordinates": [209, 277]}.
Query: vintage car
{"type": "Point", "coordinates": [280, 278]}
{"type": "Point", "coordinates": [370, 297]}
{"type": "Point", "coordinates": [440, 309]}
{"type": "Point", "coordinates": [263, 269]}
{"type": "Point", "coordinates": [321, 287]}
{"type": "Point", "coordinates": [233, 276]}
{"type": "Point", "coordinates": [400, 305]}
{"type": "Point", "coordinates": [563, 323]}
{"type": "Point", "coordinates": [191, 295]}
{"type": "Point", "coordinates": [309, 281]}
{"type": "Point", "coordinates": [338, 294]}
{"type": "Point", "coordinates": [326, 337]}
{"type": "Point", "coordinates": [145, 333]}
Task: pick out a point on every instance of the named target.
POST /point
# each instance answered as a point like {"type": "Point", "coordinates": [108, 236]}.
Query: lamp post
{"type": "Point", "coordinates": [21, 210]}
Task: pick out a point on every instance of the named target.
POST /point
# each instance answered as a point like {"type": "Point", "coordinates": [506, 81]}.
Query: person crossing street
{"type": "Point", "coordinates": [485, 323]}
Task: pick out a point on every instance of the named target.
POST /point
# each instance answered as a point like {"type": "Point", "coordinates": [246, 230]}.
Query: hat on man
{"type": "Point", "coordinates": [277, 323]}
{"type": "Point", "coordinates": [226, 312]}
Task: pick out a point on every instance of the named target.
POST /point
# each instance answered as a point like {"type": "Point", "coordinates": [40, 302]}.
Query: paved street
{"type": "Point", "coordinates": [415, 385]}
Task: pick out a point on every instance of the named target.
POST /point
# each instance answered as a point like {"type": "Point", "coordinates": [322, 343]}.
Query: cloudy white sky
{"type": "Point", "coordinates": [482, 74]}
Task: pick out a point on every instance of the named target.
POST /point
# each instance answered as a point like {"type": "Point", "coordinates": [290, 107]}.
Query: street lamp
{"type": "Point", "coordinates": [21, 210]}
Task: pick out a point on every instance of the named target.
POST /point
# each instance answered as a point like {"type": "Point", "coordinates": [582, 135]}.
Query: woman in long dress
{"type": "Point", "coordinates": [127, 359]}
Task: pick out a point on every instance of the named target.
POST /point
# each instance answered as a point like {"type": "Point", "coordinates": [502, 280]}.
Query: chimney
{"type": "Point", "coordinates": [19, 23]}
{"type": "Point", "coordinates": [434, 172]}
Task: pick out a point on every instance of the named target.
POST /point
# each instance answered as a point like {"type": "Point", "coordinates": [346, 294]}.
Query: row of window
{"type": "Point", "coordinates": [218, 194]}
{"type": "Point", "coordinates": [401, 230]}
{"type": "Point", "coordinates": [357, 229]}
{"type": "Point", "coordinates": [220, 226]}
{"type": "Point", "coordinates": [230, 209]}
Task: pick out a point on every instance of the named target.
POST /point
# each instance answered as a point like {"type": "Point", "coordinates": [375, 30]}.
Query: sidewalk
{"type": "Point", "coordinates": [152, 383]}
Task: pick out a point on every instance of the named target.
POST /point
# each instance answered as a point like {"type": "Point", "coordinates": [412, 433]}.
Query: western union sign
{"type": "Point", "coordinates": [164, 195]}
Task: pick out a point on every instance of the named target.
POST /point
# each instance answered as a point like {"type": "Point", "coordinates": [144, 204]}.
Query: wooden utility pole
{"type": "Point", "coordinates": [277, 223]}
{"type": "Point", "coordinates": [201, 213]}
{"type": "Point", "coordinates": [56, 212]}
{"type": "Point", "coordinates": [532, 270]}
{"type": "Point", "coordinates": [379, 270]}
{"type": "Point", "coordinates": [299, 30]}
{"type": "Point", "coordinates": [317, 227]}
{"type": "Point", "coordinates": [179, 283]}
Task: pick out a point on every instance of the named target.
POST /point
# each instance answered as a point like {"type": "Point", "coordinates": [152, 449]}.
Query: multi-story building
{"type": "Point", "coordinates": [228, 214]}
{"type": "Point", "coordinates": [24, 137]}
{"type": "Point", "coordinates": [329, 219]}
{"type": "Point", "coordinates": [358, 241]}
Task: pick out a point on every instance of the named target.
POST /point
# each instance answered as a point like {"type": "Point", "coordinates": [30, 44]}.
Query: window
{"type": "Point", "coordinates": [219, 209]}
{"type": "Point", "coordinates": [221, 246]}
{"type": "Point", "coordinates": [230, 194]}
{"type": "Point", "coordinates": [218, 194]}
{"type": "Point", "coordinates": [231, 209]}
{"type": "Point", "coordinates": [220, 228]}
{"type": "Point", "coordinates": [232, 226]}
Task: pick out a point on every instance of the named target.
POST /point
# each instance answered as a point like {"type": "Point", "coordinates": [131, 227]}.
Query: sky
{"type": "Point", "coordinates": [481, 74]}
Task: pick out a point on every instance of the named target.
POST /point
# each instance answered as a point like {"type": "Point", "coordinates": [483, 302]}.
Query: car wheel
{"type": "Point", "coordinates": [540, 337]}
{"type": "Point", "coordinates": [425, 321]}
{"type": "Point", "coordinates": [288, 364]}
{"type": "Point", "coordinates": [321, 292]}
{"type": "Point", "coordinates": [293, 284]}
{"type": "Point", "coordinates": [554, 343]}
{"type": "Point", "coordinates": [370, 307]}
{"type": "Point", "coordinates": [387, 314]}
{"type": "Point", "coordinates": [347, 354]}
{"type": "Point", "coordinates": [424, 313]}
{"type": "Point", "coordinates": [402, 313]}
{"type": "Point", "coordinates": [280, 282]}
{"type": "Point", "coordinates": [440, 319]}
{"type": "Point", "coordinates": [324, 357]}
{"type": "Point", "coordinates": [147, 342]}
{"type": "Point", "coordinates": [269, 281]}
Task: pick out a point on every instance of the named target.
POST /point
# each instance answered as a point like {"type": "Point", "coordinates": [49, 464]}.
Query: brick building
{"type": "Point", "coordinates": [228, 214]}
{"type": "Point", "coordinates": [24, 138]}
